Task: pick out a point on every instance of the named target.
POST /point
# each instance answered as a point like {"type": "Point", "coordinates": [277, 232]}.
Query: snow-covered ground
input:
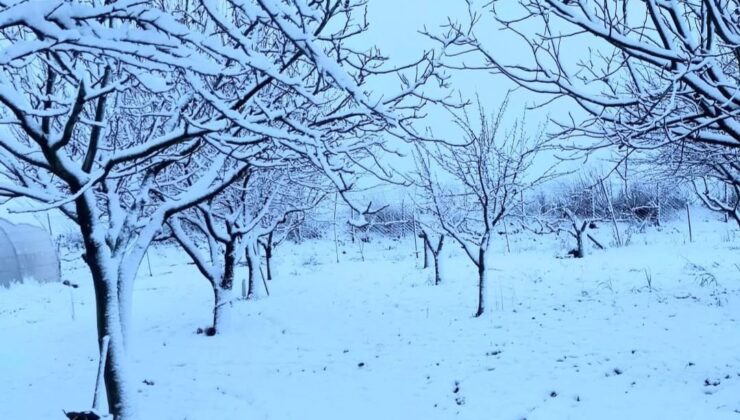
{"type": "Point", "coordinates": [562, 338]}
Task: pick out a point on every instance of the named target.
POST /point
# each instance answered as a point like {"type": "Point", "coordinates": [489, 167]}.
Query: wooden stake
{"type": "Point", "coordinates": [97, 396]}
{"type": "Point", "coordinates": [688, 218]}
{"type": "Point", "coordinates": [594, 241]}
{"type": "Point", "coordinates": [149, 263]}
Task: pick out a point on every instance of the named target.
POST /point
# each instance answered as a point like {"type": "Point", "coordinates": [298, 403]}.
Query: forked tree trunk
{"type": "Point", "coordinates": [104, 271]}
{"type": "Point", "coordinates": [255, 281]}
{"type": "Point", "coordinates": [435, 250]}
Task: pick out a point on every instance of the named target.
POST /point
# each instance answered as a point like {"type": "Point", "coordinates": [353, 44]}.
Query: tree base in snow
{"type": "Point", "coordinates": [208, 331]}
{"type": "Point", "coordinates": [81, 415]}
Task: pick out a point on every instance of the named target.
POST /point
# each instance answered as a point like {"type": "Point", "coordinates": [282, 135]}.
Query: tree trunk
{"type": "Point", "coordinates": [437, 277]}
{"type": "Point", "coordinates": [481, 281]}
{"type": "Point", "coordinates": [256, 287]}
{"type": "Point", "coordinates": [426, 254]}
{"type": "Point", "coordinates": [115, 373]}
{"type": "Point", "coordinates": [223, 298]}
{"type": "Point", "coordinates": [217, 310]}
{"type": "Point", "coordinates": [128, 268]}
{"type": "Point", "coordinates": [268, 256]}
{"type": "Point", "coordinates": [223, 303]}
{"type": "Point", "coordinates": [104, 272]}
{"type": "Point", "coordinates": [109, 324]}
{"type": "Point", "coordinates": [250, 271]}
{"type": "Point", "coordinates": [126, 278]}
{"type": "Point", "coordinates": [580, 249]}
{"type": "Point", "coordinates": [436, 252]}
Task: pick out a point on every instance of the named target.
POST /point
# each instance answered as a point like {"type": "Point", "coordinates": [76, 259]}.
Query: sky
{"type": "Point", "coordinates": [395, 28]}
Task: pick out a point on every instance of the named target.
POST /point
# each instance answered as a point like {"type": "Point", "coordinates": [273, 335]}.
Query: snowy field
{"type": "Point", "coordinates": [562, 338]}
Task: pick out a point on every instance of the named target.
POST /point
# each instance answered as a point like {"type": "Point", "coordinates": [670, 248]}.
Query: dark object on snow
{"type": "Point", "coordinates": [592, 225]}
{"type": "Point", "coordinates": [210, 331]}
{"type": "Point", "coordinates": [595, 241]}
{"type": "Point", "coordinates": [70, 284]}
{"type": "Point", "coordinates": [81, 415]}
{"type": "Point", "coordinates": [707, 382]}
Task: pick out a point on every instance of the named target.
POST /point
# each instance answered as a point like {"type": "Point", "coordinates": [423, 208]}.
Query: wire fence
{"type": "Point", "coordinates": [393, 225]}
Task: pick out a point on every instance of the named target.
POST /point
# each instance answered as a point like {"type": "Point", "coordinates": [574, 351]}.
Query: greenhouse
{"type": "Point", "coordinates": [26, 253]}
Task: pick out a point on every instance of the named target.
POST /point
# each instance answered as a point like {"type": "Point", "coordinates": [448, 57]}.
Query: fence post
{"type": "Point", "coordinates": [416, 247]}
{"type": "Point", "coordinates": [607, 196]}
{"type": "Point", "coordinates": [657, 198]}
{"type": "Point", "coordinates": [336, 245]}
{"type": "Point", "coordinates": [626, 186]}
{"type": "Point", "coordinates": [727, 216]}
{"type": "Point", "coordinates": [593, 202]}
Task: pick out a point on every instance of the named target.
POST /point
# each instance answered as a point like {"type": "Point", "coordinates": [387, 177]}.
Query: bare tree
{"type": "Point", "coordinates": [722, 196]}
{"type": "Point", "coordinates": [296, 191]}
{"type": "Point", "coordinates": [659, 72]}
{"type": "Point", "coordinates": [282, 230]}
{"type": "Point", "coordinates": [471, 187]}
{"type": "Point", "coordinates": [574, 226]}
{"type": "Point", "coordinates": [713, 172]}
{"type": "Point", "coordinates": [433, 244]}
{"type": "Point", "coordinates": [92, 116]}
{"type": "Point", "coordinates": [658, 75]}
{"type": "Point", "coordinates": [124, 113]}
{"type": "Point", "coordinates": [218, 234]}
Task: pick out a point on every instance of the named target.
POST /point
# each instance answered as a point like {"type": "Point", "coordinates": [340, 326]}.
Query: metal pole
{"type": "Point", "coordinates": [336, 245]}
{"type": "Point", "coordinates": [416, 247]}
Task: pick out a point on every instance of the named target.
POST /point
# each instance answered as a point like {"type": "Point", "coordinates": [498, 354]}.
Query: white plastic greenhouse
{"type": "Point", "coordinates": [27, 253]}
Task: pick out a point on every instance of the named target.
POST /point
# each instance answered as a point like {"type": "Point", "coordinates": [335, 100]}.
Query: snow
{"type": "Point", "coordinates": [562, 338]}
